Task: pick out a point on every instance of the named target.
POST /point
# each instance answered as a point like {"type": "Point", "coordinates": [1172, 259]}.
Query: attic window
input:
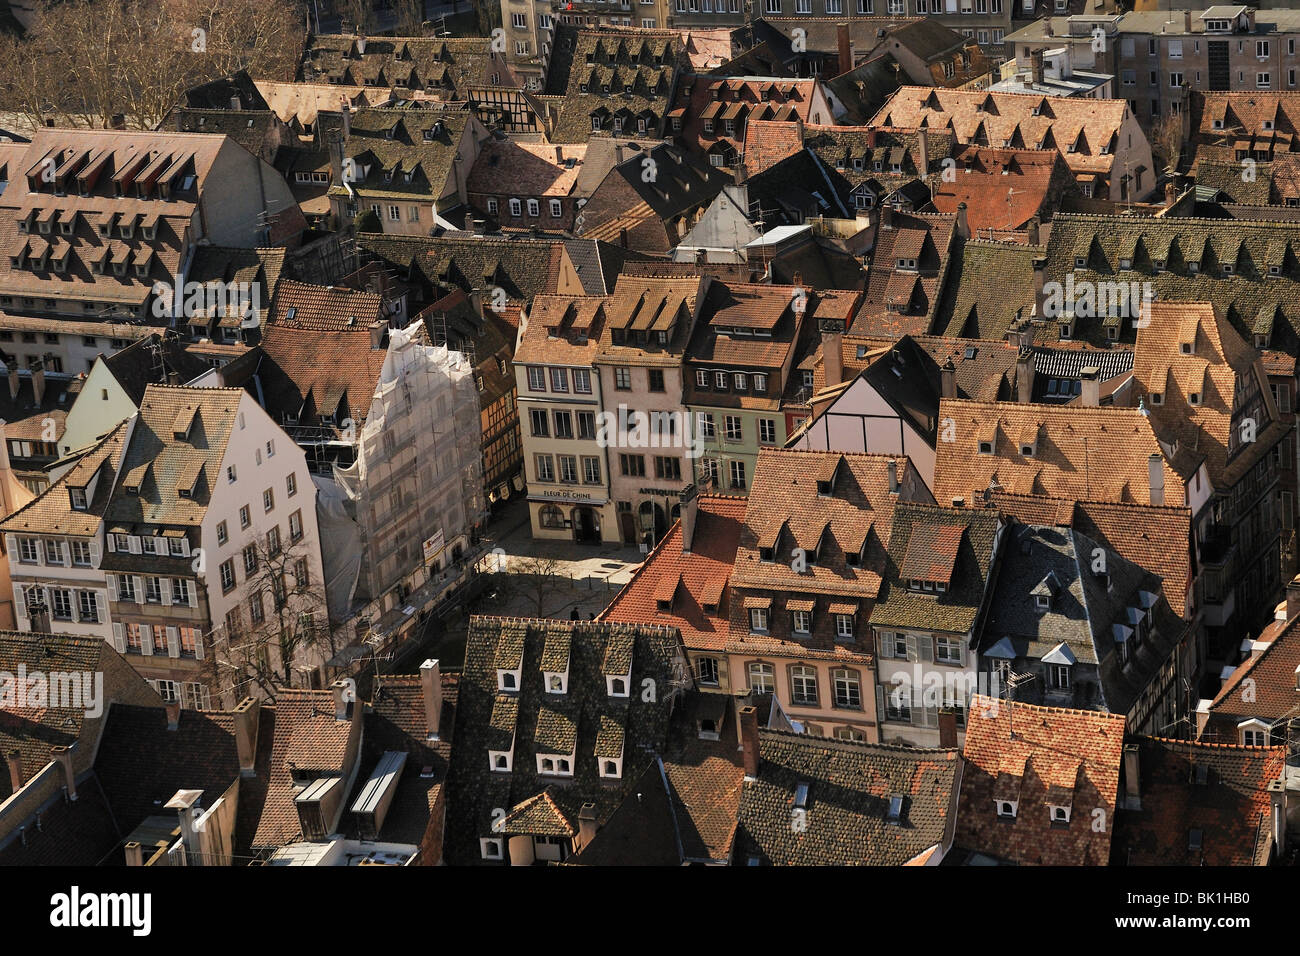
{"type": "Point", "coordinates": [1006, 809]}
{"type": "Point", "coordinates": [1218, 124]}
{"type": "Point", "coordinates": [507, 680]}
{"type": "Point", "coordinates": [1194, 398]}
{"type": "Point", "coordinates": [1228, 268]}
{"type": "Point", "coordinates": [1275, 270]}
{"type": "Point", "coordinates": [986, 448]}
{"type": "Point", "coordinates": [1067, 330]}
{"type": "Point", "coordinates": [1126, 263]}
{"type": "Point", "coordinates": [616, 686]}
{"type": "Point", "coordinates": [1060, 814]}
{"type": "Point", "coordinates": [1185, 348]}
{"type": "Point", "coordinates": [1157, 398]}
{"type": "Point", "coordinates": [1027, 450]}
{"type": "Point", "coordinates": [801, 795]}
{"type": "Point", "coordinates": [1042, 602]}
{"type": "Point", "coordinates": [1193, 268]}
{"type": "Point", "coordinates": [1080, 262]}
{"type": "Point", "coordinates": [895, 812]}
{"type": "Point", "coordinates": [1268, 124]}
{"type": "Point", "coordinates": [1194, 839]}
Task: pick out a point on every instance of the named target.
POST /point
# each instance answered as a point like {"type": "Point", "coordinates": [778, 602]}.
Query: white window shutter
{"type": "Point", "coordinates": [925, 645]}
{"type": "Point", "coordinates": [911, 647]}
{"type": "Point", "coordinates": [886, 644]}
{"type": "Point", "coordinates": [166, 590]}
{"type": "Point", "coordinates": [192, 592]}
{"type": "Point", "coordinates": [94, 553]}
{"type": "Point", "coordinates": [40, 552]}
{"type": "Point", "coordinates": [109, 540]}
{"type": "Point", "coordinates": [146, 640]}
{"type": "Point", "coordinates": [881, 711]}
{"type": "Point", "coordinates": [160, 545]}
{"type": "Point", "coordinates": [173, 642]}
{"type": "Point", "coordinates": [119, 638]}
{"type": "Point", "coordinates": [11, 547]}
{"type": "Point", "coordinates": [112, 587]}
{"type": "Point", "coordinates": [139, 589]}
{"type": "Point", "coordinates": [961, 650]}
{"type": "Point", "coordinates": [20, 607]}
{"type": "Point", "coordinates": [198, 646]}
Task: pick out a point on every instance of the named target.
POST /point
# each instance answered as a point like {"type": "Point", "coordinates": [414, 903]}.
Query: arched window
{"type": "Point", "coordinates": [550, 517]}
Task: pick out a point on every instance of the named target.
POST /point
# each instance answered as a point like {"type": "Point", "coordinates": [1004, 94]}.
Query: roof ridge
{"type": "Point", "coordinates": [1043, 708]}
{"type": "Point", "coordinates": [839, 744]}
{"type": "Point", "coordinates": [1213, 745]}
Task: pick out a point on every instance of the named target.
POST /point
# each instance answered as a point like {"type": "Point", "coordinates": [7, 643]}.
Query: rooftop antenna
{"type": "Point", "coordinates": [1014, 681]}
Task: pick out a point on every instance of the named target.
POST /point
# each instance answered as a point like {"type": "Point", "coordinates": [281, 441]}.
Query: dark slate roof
{"type": "Point", "coordinates": [850, 786]}
{"type": "Point", "coordinates": [150, 361]}
{"type": "Point", "coordinates": [218, 94]}
{"type": "Point", "coordinates": [250, 129]}
{"type": "Point", "coordinates": [386, 144]}
{"type": "Point", "coordinates": [475, 790]}
{"type": "Point", "coordinates": [521, 266]}
{"type": "Point", "coordinates": [990, 285]}
{"type": "Point", "coordinates": [230, 264]}
{"type": "Point", "coordinates": [446, 65]}
{"type": "Point", "coordinates": [955, 610]}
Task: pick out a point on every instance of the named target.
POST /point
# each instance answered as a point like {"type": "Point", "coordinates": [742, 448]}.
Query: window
{"type": "Point", "coordinates": [516, 208]}
{"type": "Point", "coordinates": [704, 424]}
{"type": "Point", "coordinates": [568, 469]}
{"type": "Point", "coordinates": [587, 425]}
{"type": "Point", "coordinates": [126, 588]}
{"type": "Point", "coordinates": [582, 381]}
{"type": "Point", "coordinates": [706, 669]}
{"type": "Point", "coordinates": [540, 423]}
{"type": "Point", "coordinates": [767, 431]}
{"type": "Point", "coordinates": [28, 552]}
{"type": "Point", "coordinates": [737, 474]}
{"type": "Point", "coordinates": [843, 626]}
{"type": "Point", "coordinates": [563, 425]}
{"type": "Point", "coordinates": [534, 208]}
{"type": "Point", "coordinates": [227, 572]}
{"type": "Point", "coordinates": [590, 470]}
{"type": "Point", "coordinates": [948, 650]}
{"type": "Point", "coordinates": [733, 427]}
{"type": "Point", "coordinates": [1261, 49]}
{"type": "Point", "coordinates": [290, 485]}
{"type": "Point", "coordinates": [848, 688]}
{"type": "Point", "coordinates": [758, 619]}
{"type": "Point", "coordinates": [268, 500]}
{"type": "Point", "coordinates": [632, 465]}
{"type": "Point", "coordinates": [1263, 81]}
{"type": "Point", "coordinates": [244, 517]}
{"type": "Point", "coordinates": [153, 590]}
{"type": "Point", "coordinates": [88, 606]}
{"type": "Point", "coordinates": [1175, 80]}
{"type": "Point", "coordinates": [81, 554]}
{"type": "Point", "coordinates": [762, 678]}
{"type": "Point", "coordinates": [1059, 676]}
{"type": "Point", "coordinates": [1255, 736]}
{"type": "Point", "coordinates": [623, 379]}
{"type": "Point", "coordinates": [545, 466]}
{"type": "Point", "coordinates": [803, 686]}
{"type": "Point", "coordinates": [61, 604]}
{"type": "Point", "coordinates": [656, 380]}
{"type": "Point", "coordinates": [801, 621]}
{"type": "Point", "coordinates": [536, 378]}
{"type": "Point", "coordinates": [519, 21]}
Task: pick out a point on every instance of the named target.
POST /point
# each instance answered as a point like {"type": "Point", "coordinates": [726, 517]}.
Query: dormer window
{"type": "Point", "coordinates": [1080, 262]}
{"type": "Point", "coordinates": [507, 680]}
{"type": "Point", "coordinates": [1007, 809]}
{"type": "Point", "coordinates": [1126, 263]}
{"type": "Point", "coordinates": [1194, 398]}
{"type": "Point", "coordinates": [1059, 814]}
{"type": "Point", "coordinates": [1027, 450]}
{"type": "Point", "coordinates": [1193, 268]}
{"type": "Point", "coordinates": [986, 447]}
{"type": "Point", "coordinates": [78, 497]}
{"type": "Point", "coordinates": [611, 769]}
{"type": "Point", "coordinates": [907, 264]}
{"type": "Point", "coordinates": [501, 761]}
{"type": "Point", "coordinates": [1218, 124]}
{"type": "Point", "coordinates": [556, 682]}
{"type": "Point", "coordinates": [490, 849]}
{"type": "Point", "coordinates": [1042, 602]}
{"type": "Point", "coordinates": [1228, 268]}
{"type": "Point", "coordinates": [617, 686]}
{"type": "Point", "coordinates": [1067, 331]}
{"type": "Point", "coordinates": [1158, 265]}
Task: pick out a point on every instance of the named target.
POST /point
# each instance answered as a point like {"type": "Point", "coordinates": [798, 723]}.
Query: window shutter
{"type": "Point", "coordinates": [925, 643]}
{"type": "Point", "coordinates": [192, 593]}
{"type": "Point", "coordinates": [931, 715]}
{"type": "Point", "coordinates": [173, 642]}
{"type": "Point", "coordinates": [160, 545]}
{"type": "Point", "coordinates": [11, 547]}
{"type": "Point", "coordinates": [198, 646]}
{"type": "Point", "coordinates": [119, 638]}
{"type": "Point", "coordinates": [112, 587]}
{"type": "Point", "coordinates": [911, 647]}
{"type": "Point", "coordinates": [165, 588]}
{"type": "Point", "coordinates": [109, 540]}
{"type": "Point", "coordinates": [882, 712]}
{"type": "Point", "coordinates": [146, 640]}
{"type": "Point", "coordinates": [886, 644]}
{"type": "Point", "coordinates": [20, 606]}
{"type": "Point", "coordinates": [40, 552]}
{"type": "Point", "coordinates": [94, 553]}
{"type": "Point", "coordinates": [134, 542]}
{"type": "Point", "coordinates": [961, 650]}
{"type": "Point", "coordinates": [139, 589]}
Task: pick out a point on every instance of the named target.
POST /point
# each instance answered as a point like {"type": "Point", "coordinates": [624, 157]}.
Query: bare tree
{"type": "Point", "coordinates": [536, 577]}
{"type": "Point", "coordinates": [1167, 141]}
{"type": "Point", "coordinates": [410, 17]}
{"type": "Point", "coordinates": [283, 619]}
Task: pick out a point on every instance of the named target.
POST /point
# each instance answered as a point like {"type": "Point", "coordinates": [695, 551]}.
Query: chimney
{"type": "Point", "coordinates": [347, 119]}
{"type": "Point", "coordinates": [1187, 21]}
{"type": "Point", "coordinates": [1025, 374]}
{"type": "Point", "coordinates": [1091, 394]}
{"type": "Point", "coordinates": [63, 757]}
{"type": "Point", "coordinates": [1032, 229]}
{"type": "Point", "coordinates": [1036, 66]}
{"type": "Point", "coordinates": [947, 728]}
{"type": "Point", "coordinates": [15, 760]}
{"type": "Point", "coordinates": [963, 225]}
{"type": "Point", "coordinates": [739, 173]}
{"type": "Point", "coordinates": [891, 471]}
{"type": "Point", "coordinates": [690, 509]}
{"type": "Point", "coordinates": [749, 740]}
{"type": "Point", "coordinates": [246, 715]}
{"type": "Point", "coordinates": [38, 381]}
{"type": "Point", "coordinates": [1040, 294]}
{"type": "Point", "coordinates": [1132, 781]}
{"type": "Point", "coordinates": [173, 715]}
{"type": "Point", "coordinates": [345, 694]}
{"type": "Point", "coordinates": [833, 358]}
{"type": "Point", "coordinates": [378, 330]}
{"type": "Point", "coordinates": [1047, 26]}
{"type": "Point", "coordinates": [14, 382]}
{"type": "Point", "coordinates": [886, 216]}
{"type": "Point", "coordinates": [431, 690]}
{"type": "Point", "coordinates": [845, 47]}
{"type": "Point", "coordinates": [134, 854]}
{"type": "Point", "coordinates": [183, 802]}
{"type": "Point", "coordinates": [1277, 797]}
{"type": "Point", "coordinates": [923, 147]}
{"type": "Point", "coordinates": [586, 824]}
{"type": "Point", "coordinates": [1293, 597]}
{"type": "Point", "coordinates": [1156, 478]}
{"type": "Point", "coordinates": [948, 379]}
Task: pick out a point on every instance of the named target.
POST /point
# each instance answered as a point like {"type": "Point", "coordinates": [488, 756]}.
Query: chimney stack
{"type": "Point", "coordinates": [1293, 597]}
{"type": "Point", "coordinates": [431, 689]}
{"type": "Point", "coordinates": [1091, 393]}
{"type": "Point", "coordinates": [1132, 781]}
{"type": "Point", "coordinates": [345, 695]}
{"type": "Point", "coordinates": [347, 119]}
{"type": "Point", "coordinates": [1187, 21]}
{"type": "Point", "coordinates": [246, 716]}
{"type": "Point", "coordinates": [183, 802]}
{"type": "Point", "coordinates": [690, 512]}
{"type": "Point", "coordinates": [832, 358]}
{"type": "Point", "coordinates": [1032, 229]}
{"type": "Point", "coordinates": [173, 714]}
{"type": "Point", "coordinates": [1036, 66]}
{"type": "Point", "coordinates": [948, 379]}
{"type": "Point", "coordinates": [923, 147]}
{"type": "Point", "coordinates": [15, 760]}
{"type": "Point", "coordinates": [378, 331]}
{"type": "Point", "coordinates": [886, 216]}
{"type": "Point", "coordinates": [63, 757]}
{"type": "Point", "coordinates": [963, 224]}
{"type": "Point", "coordinates": [749, 740]}
{"type": "Point", "coordinates": [1171, 193]}
{"type": "Point", "coordinates": [1277, 798]}
{"type": "Point", "coordinates": [38, 381]}
{"type": "Point", "coordinates": [1025, 374]}
{"type": "Point", "coordinates": [947, 728]}
{"type": "Point", "coordinates": [134, 854]}
{"type": "Point", "coordinates": [586, 825]}
{"type": "Point", "coordinates": [891, 472]}
{"type": "Point", "coordinates": [845, 46]}
{"type": "Point", "coordinates": [1156, 478]}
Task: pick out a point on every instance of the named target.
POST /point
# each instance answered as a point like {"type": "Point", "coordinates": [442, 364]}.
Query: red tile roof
{"type": "Point", "coordinates": [689, 579]}
{"type": "Point", "coordinates": [1039, 757]}
{"type": "Point", "coordinates": [1002, 188]}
